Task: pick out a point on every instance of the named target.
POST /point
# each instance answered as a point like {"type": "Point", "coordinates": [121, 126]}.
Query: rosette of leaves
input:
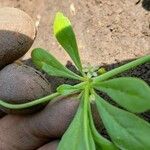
{"type": "Point", "coordinates": [126, 130]}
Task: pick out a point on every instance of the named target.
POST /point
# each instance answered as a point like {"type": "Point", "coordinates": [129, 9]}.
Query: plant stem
{"type": "Point", "coordinates": [75, 76]}
{"type": "Point", "coordinates": [29, 104]}
{"type": "Point", "coordinates": [121, 69]}
{"type": "Point", "coordinates": [36, 102]}
{"type": "Point", "coordinates": [80, 85]}
{"type": "Point", "coordinates": [86, 119]}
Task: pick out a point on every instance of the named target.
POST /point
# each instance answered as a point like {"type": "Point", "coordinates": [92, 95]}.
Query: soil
{"type": "Point", "coordinates": [109, 32]}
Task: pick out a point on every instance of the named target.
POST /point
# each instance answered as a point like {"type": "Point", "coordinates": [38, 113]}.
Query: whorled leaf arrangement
{"type": "Point", "coordinates": [127, 131]}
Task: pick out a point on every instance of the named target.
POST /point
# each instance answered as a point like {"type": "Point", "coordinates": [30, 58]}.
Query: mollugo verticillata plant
{"type": "Point", "coordinates": [127, 131]}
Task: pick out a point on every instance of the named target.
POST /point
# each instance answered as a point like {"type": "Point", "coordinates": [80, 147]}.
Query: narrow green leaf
{"type": "Point", "coordinates": [48, 63]}
{"type": "Point", "coordinates": [66, 37]}
{"type": "Point", "coordinates": [66, 89]}
{"type": "Point", "coordinates": [126, 130]}
{"type": "Point", "coordinates": [131, 93]}
{"type": "Point", "coordinates": [101, 142]}
{"type": "Point", "coordinates": [78, 136]}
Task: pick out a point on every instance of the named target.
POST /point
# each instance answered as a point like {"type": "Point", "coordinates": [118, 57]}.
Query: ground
{"type": "Point", "coordinates": [108, 31]}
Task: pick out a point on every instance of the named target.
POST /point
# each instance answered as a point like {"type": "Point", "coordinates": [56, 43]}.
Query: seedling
{"type": "Point", "coordinates": [126, 130]}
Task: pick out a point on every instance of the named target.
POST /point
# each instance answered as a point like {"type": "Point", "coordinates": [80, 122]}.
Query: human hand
{"type": "Point", "coordinates": [44, 129]}
{"type": "Point", "coordinates": [41, 131]}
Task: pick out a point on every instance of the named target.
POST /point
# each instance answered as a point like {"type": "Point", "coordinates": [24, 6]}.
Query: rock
{"type": "Point", "coordinates": [20, 83]}
{"type": "Point", "coordinates": [17, 33]}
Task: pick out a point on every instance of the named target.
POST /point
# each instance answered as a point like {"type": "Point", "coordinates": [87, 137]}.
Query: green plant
{"type": "Point", "coordinates": [125, 128]}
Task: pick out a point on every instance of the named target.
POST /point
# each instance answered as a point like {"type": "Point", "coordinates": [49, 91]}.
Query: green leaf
{"type": "Point", "coordinates": [66, 89]}
{"type": "Point", "coordinates": [131, 93]}
{"type": "Point", "coordinates": [45, 61]}
{"type": "Point", "coordinates": [78, 136]}
{"type": "Point", "coordinates": [101, 142]}
{"type": "Point", "coordinates": [66, 37]}
{"type": "Point", "coordinates": [126, 130]}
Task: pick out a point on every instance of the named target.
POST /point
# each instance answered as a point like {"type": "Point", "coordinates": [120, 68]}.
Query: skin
{"type": "Point", "coordinates": [41, 130]}
{"type": "Point", "coordinates": [17, 34]}
{"type": "Point", "coordinates": [37, 131]}
{"type": "Point", "coordinates": [51, 146]}
{"type": "Point", "coordinates": [20, 83]}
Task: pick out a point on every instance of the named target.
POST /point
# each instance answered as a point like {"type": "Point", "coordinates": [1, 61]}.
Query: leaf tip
{"type": "Point", "coordinates": [60, 22]}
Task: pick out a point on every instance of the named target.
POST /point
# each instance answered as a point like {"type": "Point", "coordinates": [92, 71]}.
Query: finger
{"type": "Point", "coordinates": [50, 146]}
{"type": "Point", "coordinates": [14, 132]}
{"type": "Point", "coordinates": [53, 121]}
{"type": "Point", "coordinates": [33, 131]}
